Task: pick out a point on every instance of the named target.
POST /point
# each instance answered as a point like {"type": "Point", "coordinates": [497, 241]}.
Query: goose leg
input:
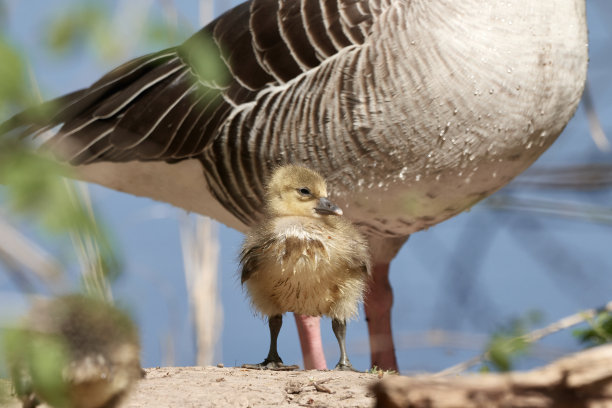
{"type": "Point", "coordinates": [309, 330]}
{"type": "Point", "coordinates": [273, 361]}
{"type": "Point", "coordinates": [378, 302]}
{"type": "Point", "coordinates": [339, 328]}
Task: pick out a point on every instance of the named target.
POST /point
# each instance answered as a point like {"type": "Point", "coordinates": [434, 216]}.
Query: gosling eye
{"type": "Point", "coordinates": [304, 192]}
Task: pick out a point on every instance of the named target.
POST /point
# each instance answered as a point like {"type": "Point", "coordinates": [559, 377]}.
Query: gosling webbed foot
{"type": "Point", "coordinates": [271, 365]}
{"type": "Point", "coordinates": [339, 327]}
{"type": "Point", "coordinates": [347, 366]}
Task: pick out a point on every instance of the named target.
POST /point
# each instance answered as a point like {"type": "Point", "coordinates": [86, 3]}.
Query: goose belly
{"type": "Point", "coordinates": [463, 104]}
{"type": "Point", "coordinates": [399, 207]}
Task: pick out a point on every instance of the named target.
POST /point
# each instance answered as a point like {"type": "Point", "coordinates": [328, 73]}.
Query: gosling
{"type": "Point", "coordinates": [76, 352]}
{"type": "Point", "coordinates": [305, 258]}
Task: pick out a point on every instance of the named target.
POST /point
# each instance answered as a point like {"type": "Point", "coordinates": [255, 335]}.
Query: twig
{"type": "Point", "coordinates": [597, 132]}
{"type": "Point", "coordinates": [19, 253]}
{"type": "Point", "coordinates": [200, 247]}
{"type": "Point", "coordinates": [580, 177]}
{"type": "Point", "coordinates": [205, 11]}
{"type": "Point", "coordinates": [87, 248]}
{"type": "Point", "coordinates": [536, 335]}
{"type": "Point", "coordinates": [585, 212]}
{"type": "Point", "coordinates": [580, 380]}
{"type": "Point", "coordinates": [319, 387]}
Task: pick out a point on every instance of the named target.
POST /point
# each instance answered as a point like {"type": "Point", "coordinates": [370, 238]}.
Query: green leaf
{"type": "Point", "coordinates": [204, 56]}
{"type": "Point", "coordinates": [504, 349]}
{"type": "Point", "coordinates": [599, 332]}
{"type": "Point", "coordinates": [508, 342]}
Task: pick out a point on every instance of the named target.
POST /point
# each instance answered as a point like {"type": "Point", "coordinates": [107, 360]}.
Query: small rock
{"type": "Point", "coordinates": [293, 387]}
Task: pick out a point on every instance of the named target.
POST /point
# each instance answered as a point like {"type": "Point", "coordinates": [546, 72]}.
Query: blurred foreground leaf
{"type": "Point", "coordinates": [204, 56]}
{"type": "Point", "coordinates": [36, 360]}
{"type": "Point", "coordinates": [92, 26]}
{"type": "Point", "coordinates": [161, 32]}
{"type": "Point", "coordinates": [36, 189]}
{"type": "Point", "coordinates": [3, 13]}
{"type": "Point", "coordinates": [73, 31]}
{"type": "Point", "coordinates": [12, 77]}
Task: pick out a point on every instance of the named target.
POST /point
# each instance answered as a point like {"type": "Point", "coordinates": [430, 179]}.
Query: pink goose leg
{"type": "Point", "coordinates": [309, 330]}
{"type": "Point", "coordinates": [378, 302]}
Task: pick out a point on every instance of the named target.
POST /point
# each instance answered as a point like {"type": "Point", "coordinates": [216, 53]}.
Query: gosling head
{"type": "Point", "coordinates": [299, 191]}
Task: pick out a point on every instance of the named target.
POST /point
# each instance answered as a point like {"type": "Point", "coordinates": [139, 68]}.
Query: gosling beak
{"type": "Point", "coordinates": [326, 207]}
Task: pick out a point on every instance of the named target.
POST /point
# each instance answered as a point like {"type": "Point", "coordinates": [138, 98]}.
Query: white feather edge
{"type": "Point", "coordinates": [181, 184]}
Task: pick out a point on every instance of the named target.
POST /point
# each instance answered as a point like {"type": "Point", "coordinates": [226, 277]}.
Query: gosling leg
{"type": "Point", "coordinates": [273, 361]}
{"type": "Point", "coordinates": [339, 328]}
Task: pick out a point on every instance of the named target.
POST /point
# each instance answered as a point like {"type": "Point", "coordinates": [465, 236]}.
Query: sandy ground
{"type": "Point", "coordinates": [237, 387]}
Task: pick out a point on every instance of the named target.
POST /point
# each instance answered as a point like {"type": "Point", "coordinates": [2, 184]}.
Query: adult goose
{"type": "Point", "coordinates": [413, 110]}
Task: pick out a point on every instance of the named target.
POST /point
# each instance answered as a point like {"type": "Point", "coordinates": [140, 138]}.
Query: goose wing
{"type": "Point", "coordinates": [169, 106]}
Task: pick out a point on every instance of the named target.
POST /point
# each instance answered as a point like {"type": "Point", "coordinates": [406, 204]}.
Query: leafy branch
{"type": "Point", "coordinates": [501, 349]}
